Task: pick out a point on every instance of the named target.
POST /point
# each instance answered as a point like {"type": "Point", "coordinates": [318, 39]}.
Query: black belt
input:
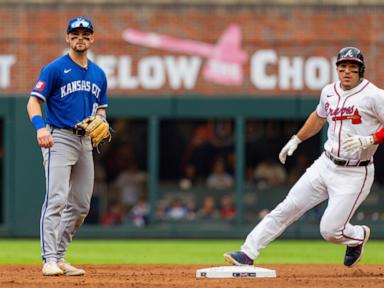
{"type": "Point", "coordinates": [347, 163]}
{"type": "Point", "coordinates": [77, 132]}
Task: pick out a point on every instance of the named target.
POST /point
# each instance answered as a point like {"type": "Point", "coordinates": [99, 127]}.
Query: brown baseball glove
{"type": "Point", "coordinates": [97, 128]}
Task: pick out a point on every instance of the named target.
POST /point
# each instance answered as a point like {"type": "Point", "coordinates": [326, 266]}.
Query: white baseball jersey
{"type": "Point", "coordinates": [359, 111]}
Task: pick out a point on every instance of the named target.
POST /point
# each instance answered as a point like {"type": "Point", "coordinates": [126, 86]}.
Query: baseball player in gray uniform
{"type": "Point", "coordinates": [344, 172]}
{"type": "Point", "coordinates": [72, 88]}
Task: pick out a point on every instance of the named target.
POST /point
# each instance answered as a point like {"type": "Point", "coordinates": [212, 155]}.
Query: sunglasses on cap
{"type": "Point", "coordinates": [79, 22]}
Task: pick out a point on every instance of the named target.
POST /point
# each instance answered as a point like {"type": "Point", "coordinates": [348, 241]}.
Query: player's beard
{"type": "Point", "coordinates": [82, 50]}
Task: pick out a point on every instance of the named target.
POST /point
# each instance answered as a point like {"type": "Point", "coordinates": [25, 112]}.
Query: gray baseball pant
{"type": "Point", "coordinates": [69, 174]}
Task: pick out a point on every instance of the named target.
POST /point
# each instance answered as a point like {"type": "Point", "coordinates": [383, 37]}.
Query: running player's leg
{"type": "Point", "coordinates": [82, 179]}
{"type": "Point", "coordinates": [346, 192]}
{"type": "Point", "coordinates": [308, 192]}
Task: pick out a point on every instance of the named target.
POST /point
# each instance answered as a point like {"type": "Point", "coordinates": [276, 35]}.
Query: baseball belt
{"type": "Point", "coordinates": [77, 132]}
{"type": "Point", "coordinates": [347, 163]}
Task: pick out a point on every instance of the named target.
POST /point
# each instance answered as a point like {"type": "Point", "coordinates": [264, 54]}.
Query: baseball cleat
{"type": "Point", "coordinates": [238, 258]}
{"type": "Point", "coordinates": [354, 254]}
{"type": "Point", "coordinates": [51, 269]}
{"type": "Point", "coordinates": [70, 270]}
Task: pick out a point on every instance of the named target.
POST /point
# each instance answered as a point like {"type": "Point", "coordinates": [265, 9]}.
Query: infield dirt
{"type": "Point", "coordinates": [159, 276]}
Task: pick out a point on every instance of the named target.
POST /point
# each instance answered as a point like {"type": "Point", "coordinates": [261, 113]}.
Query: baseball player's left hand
{"type": "Point", "coordinates": [354, 143]}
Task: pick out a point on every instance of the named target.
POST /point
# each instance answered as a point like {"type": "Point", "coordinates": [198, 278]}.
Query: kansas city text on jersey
{"type": "Point", "coordinates": [80, 85]}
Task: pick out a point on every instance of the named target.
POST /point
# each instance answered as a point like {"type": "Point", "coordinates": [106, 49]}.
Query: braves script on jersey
{"type": "Point", "coordinates": [359, 111]}
{"type": "Point", "coordinates": [73, 92]}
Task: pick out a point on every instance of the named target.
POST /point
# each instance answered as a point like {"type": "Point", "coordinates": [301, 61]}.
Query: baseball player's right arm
{"type": "Point", "coordinates": [44, 137]}
{"type": "Point", "coordinates": [311, 127]}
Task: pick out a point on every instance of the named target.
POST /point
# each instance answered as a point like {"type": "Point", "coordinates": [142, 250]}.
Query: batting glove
{"type": "Point", "coordinates": [354, 143]}
{"type": "Point", "coordinates": [289, 148]}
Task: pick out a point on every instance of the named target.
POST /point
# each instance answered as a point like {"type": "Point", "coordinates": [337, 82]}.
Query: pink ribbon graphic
{"type": "Point", "coordinates": [225, 58]}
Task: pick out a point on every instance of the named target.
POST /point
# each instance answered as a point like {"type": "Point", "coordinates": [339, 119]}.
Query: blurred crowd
{"type": "Point", "coordinates": [196, 170]}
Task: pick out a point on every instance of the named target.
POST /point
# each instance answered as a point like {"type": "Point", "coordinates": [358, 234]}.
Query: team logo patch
{"type": "Point", "coordinates": [40, 85]}
{"type": "Point", "coordinates": [348, 54]}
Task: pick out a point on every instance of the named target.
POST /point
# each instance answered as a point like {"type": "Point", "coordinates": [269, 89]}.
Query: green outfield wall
{"type": "Point", "coordinates": [23, 185]}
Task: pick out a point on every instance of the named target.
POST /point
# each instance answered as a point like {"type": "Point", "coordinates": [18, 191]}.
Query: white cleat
{"type": "Point", "coordinates": [70, 270]}
{"type": "Point", "coordinates": [51, 269]}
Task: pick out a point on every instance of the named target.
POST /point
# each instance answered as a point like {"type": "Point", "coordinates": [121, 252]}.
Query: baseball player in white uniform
{"type": "Point", "coordinates": [343, 174]}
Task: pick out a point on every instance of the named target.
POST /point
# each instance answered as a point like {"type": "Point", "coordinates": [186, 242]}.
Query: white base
{"type": "Point", "coordinates": [235, 272]}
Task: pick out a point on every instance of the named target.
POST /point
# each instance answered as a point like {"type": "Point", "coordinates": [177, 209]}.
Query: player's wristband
{"type": "Point", "coordinates": [380, 136]}
{"type": "Point", "coordinates": [101, 116]}
{"type": "Point", "coordinates": [38, 122]}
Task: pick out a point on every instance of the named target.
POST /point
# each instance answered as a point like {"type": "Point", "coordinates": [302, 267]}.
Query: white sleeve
{"type": "Point", "coordinates": [378, 105]}
{"type": "Point", "coordinates": [320, 109]}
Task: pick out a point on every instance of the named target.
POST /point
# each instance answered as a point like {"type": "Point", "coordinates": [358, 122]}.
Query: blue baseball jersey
{"type": "Point", "coordinates": [70, 92]}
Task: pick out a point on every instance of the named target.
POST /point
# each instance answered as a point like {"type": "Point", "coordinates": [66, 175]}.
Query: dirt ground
{"type": "Point", "coordinates": [136, 276]}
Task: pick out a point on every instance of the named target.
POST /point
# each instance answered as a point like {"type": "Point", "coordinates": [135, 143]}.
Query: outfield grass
{"type": "Point", "coordinates": [184, 252]}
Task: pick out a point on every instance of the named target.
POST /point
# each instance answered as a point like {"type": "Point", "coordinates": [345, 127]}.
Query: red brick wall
{"type": "Point", "coordinates": [34, 36]}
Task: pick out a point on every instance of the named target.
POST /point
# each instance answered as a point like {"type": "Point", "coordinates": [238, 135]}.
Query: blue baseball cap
{"type": "Point", "coordinates": [79, 22]}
